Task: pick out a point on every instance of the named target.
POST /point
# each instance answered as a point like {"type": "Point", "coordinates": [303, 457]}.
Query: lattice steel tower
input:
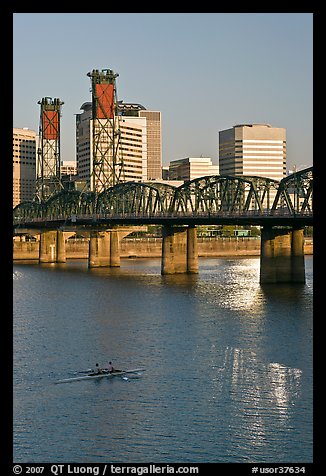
{"type": "Point", "coordinates": [48, 176]}
{"type": "Point", "coordinates": [107, 162]}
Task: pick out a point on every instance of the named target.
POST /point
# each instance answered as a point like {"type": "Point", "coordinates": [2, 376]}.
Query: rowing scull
{"type": "Point", "coordinates": [100, 375]}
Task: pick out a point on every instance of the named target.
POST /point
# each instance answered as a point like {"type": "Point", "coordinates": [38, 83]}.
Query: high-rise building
{"type": "Point", "coordinates": [153, 135]}
{"type": "Point", "coordinates": [191, 168]}
{"type": "Point", "coordinates": [253, 149]}
{"type": "Point", "coordinates": [154, 144]}
{"type": "Point", "coordinates": [133, 148]}
{"type": "Point", "coordinates": [24, 165]}
{"type": "Point", "coordinates": [83, 143]}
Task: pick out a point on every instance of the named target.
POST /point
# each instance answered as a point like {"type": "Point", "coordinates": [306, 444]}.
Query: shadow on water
{"type": "Point", "coordinates": [130, 269]}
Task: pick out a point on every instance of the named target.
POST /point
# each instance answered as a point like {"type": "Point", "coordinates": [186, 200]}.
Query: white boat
{"type": "Point", "coordinates": [93, 375]}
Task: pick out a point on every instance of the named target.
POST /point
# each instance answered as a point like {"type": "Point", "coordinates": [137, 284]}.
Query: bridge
{"type": "Point", "coordinates": [281, 208]}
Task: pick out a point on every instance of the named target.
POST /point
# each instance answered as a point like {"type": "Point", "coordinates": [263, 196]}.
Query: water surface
{"type": "Point", "coordinates": [228, 364]}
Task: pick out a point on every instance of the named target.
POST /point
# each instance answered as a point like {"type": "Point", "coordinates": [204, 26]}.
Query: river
{"type": "Point", "coordinates": [228, 364]}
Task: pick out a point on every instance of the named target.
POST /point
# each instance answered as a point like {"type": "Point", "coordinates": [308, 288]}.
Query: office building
{"type": "Point", "coordinates": [191, 168]}
{"type": "Point", "coordinates": [254, 150]}
{"type": "Point", "coordinates": [133, 148]}
{"type": "Point", "coordinates": [83, 143]}
{"type": "Point", "coordinates": [24, 164]}
{"type": "Point", "coordinates": [153, 135]}
{"type": "Point", "coordinates": [154, 144]}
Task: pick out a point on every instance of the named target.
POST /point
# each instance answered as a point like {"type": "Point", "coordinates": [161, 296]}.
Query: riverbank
{"type": "Point", "coordinates": [152, 248]}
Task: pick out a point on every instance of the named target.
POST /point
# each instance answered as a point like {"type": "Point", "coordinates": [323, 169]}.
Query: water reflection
{"type": "Point", "coordinates": [17, 275]}
{"type": "Point", "coordinates": [261, 383]}
{"type": "Point", "coordinates": [285, 386]}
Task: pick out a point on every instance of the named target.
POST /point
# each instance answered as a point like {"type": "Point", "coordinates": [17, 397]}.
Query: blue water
{"type": "Point", "coordinates": [228, 364]}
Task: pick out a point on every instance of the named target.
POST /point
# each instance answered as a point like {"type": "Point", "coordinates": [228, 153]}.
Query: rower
{"type": "Point", "coordinates": [98, 370]}
{"type": "Point", "coordinates": [110, 368]}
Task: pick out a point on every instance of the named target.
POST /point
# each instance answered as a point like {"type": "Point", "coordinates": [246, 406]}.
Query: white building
{"type": "Point", "coordinates": [153, 135]}
{"type": "Point", "coordinates": [191, 168]}
{"type": "Point", "coordinates": [253, 149]}
{"type": "Point", "coordinates": [24, 164]}
{"type": "Point", "coordinates": [133, 147]}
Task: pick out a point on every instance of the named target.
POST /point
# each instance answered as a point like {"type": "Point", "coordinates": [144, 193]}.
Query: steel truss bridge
{"type": "Point", "coordinates": [214, 200]}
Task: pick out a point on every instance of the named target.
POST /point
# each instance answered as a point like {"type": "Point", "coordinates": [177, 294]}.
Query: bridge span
{"type": "Point", "coordinates": [281, 208]}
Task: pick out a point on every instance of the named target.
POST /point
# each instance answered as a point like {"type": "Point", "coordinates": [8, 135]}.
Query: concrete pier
{"type": "Point", "coordinates": [99, 249]}
{"type": "Point", "coordinates": [104, 248]}
{"type": "Point", "coordinates": [282, 255]}
{"type": "Point", "coordinates": [179, 250]}
{"type": "Point", "coordinates": [114, 248]}
{"type": "Point", "coordinates": [48, 244]}
{"type": "Point", "coordinates": [298, 266]}
{"type": "Point", "coordinates": [192, 250]}
{"type": "Point", "coordinates": [61, 247]}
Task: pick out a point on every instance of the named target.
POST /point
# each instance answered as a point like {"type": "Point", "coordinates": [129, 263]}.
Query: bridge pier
{"type": "Point", "coordinates": [179, 250]}
{"type": "Point", "coordinates": [99, 249]}
{"type": "Point", "coordinates": [282, 255]}
{"type": "Point", "coordinates": [47, 253]}
{"type": "Point", "coordinates": [61, 247]}
{"type": "Point", "coordinates": [114, 249]}
{"type": "Point", "coordinates": [104, 249]}
{"type": "Point", "coordinates": [192, 250]}
{"type": "Point", "coordinates": [298, 264]}
{"type": "Point", "coordinates": [52, 247]}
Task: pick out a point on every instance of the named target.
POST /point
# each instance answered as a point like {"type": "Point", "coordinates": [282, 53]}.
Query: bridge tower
{"type": "Point", "coordinates": [48, 176]}
{"type": "Point", "coordinates": [107, 162]}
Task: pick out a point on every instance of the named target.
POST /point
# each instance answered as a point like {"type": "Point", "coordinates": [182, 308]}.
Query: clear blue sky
{"type": "Point", "coordinates": [204, 71]}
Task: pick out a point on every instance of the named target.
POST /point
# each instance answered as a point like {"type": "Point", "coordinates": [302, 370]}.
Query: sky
{"type": "Point", "coordinates": [205, 72]}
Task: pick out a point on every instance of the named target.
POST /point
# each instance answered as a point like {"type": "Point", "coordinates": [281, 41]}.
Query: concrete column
{"type": "Point", "coordinates": [47, 250]}
{"type": "Point", "coordinates": [267, 268]}
{"type": "Point", "coordinates": [61, 247]}
{"type": "Point", "coordinates": [99, 249]}
{"type": "Point", "coordinates": [174, 250]}
{"type": "Point", "coordinates": [180, 250]}
{"type": "Point", "coordinates": [298, 265]}
{"type": "Point", "coordinates": [115, 248]}
{"type": "Point", "coordinates": [167, 263]}
{"type": "Point", "coordinates": [192, 250]}
{"type": "Point", "coordinates": [281, 255]}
